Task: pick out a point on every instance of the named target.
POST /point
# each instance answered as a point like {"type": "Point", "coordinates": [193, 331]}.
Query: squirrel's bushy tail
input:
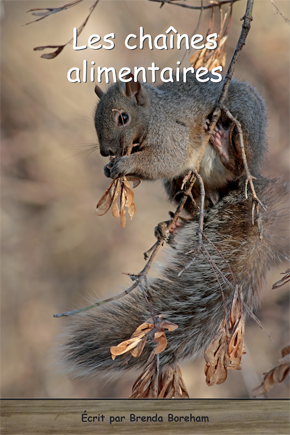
{"type": "Point", "coordinates": [193, 301]}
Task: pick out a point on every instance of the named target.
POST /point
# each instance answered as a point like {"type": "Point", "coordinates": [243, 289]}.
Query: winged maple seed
{"type": "Point", "coordinates": [151, 384]}
{"type": "Point", "coordinates": [210, 58]}
{"type": "Point", "coordinates": [171, 384]}
{"type": "Point", "coordinates": [236, 346]}
{"type": "Point", "coordinates": [213, 58]}
{"type": "Point", "coordinates": [226, 350]}
{"type": "Point", "coordinates": [216, 357]}
{"type": "Point", "coordinates": [109, 199]}
{"type": "Point", "coordinates": [146, 385]}
{"type": "Point", "coordinates": [276, 375]}
{"type": "Point", "coordinates": [282, 281]}
{"type": "Point", "coordinates": [136, 343]}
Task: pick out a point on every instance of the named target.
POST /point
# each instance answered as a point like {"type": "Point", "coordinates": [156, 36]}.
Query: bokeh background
{"type": "Point", "coordinates": [56, 253]}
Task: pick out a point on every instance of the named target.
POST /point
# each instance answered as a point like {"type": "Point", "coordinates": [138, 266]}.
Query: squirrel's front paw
{"type": "Point", "coordinates": [161, 231]}
{"type": "Point", "coordinates": [107, 169]}
{"type": "Point", "coordinates": [120, 167]}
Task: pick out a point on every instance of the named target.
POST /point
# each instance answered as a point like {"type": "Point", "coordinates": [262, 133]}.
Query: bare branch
{"type": "Point", "coordinates": [50, 11]}
{"type": "Point", "coordinates": [97, 304]}
{"type": "Point", "coordinates": [184, 5]}
{"type": "Point", "coordinates": [145, 270]}
{"type": "Point", "coordinates": [282, 281]}
{"type": "Point", "coordinates": [249, 177]}
{"type": "Point", "coordinates": [277, 11]}
{"type": "Point", "coordinates": [55, 53]}
{"type": "Point", "coordinates": [241, 42]}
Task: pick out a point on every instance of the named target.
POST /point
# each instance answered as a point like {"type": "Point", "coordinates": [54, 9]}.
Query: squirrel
{"type": "Point", "coordinates": [167, 125]}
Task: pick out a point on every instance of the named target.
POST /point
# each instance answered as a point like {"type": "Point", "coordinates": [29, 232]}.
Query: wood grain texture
{"type": "Point", "coordinates": [21, 417]}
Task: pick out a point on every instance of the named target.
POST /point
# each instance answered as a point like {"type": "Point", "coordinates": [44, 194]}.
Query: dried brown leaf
{"type": "Point", "coordinates": [136, 181]}
{"type": "Point", "coordinates": [123, 219]}
{"type": "Point", "coordinates": [160, 338]}
{"type": "Point", "coordinates": [119, 185]}
{"type": "Point", "coordinates": [131, 210]}
{"type": "Point", "coordinates": [171, 384]}
{"type": "Point", "coordinates": [146, 386]}
{"type": "Point", "coordinates": [52, 55]}
{"type": "Point", "coordinates": [197, 58]}
{"type": "Point", "coordinates": [213, 58]}
{"type": "Point", "coordinates": [105, 202]}
{"type": "Point", "coordinates": [152, 384]}
{"type": "Point", "coordinates": [216, 357]}
{"type": "Point", "coordinates": [139, 348]}
{"type": "Point", "coordinates": [135, 344]}
{"type": "Point", "coordinates": [126, 200]}
{"type": "Point", "coordinates": [125, 346]}
{"type": "Point", "coordinates": [285, 351]}
{"type": "Point", "coordinates": [115, 207]}
{"type": "Point", "coordinates": [129, 194]}
{"type": "Point", "coordinates": [236, 346]}
{"type": "Point", "coordinates": [143, 329]}
{"type": "Point", "coordinates": [223, 60]}
{"type": "Point", "coordinates": [276, 375]}
{"type": "Point", "coordinates": [285, 360]}
{"type": "Point", "coordinates": [168, 325]}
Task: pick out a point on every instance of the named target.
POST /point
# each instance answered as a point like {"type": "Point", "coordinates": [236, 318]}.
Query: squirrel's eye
{"type": "Point", "coordinates": [125, 117]}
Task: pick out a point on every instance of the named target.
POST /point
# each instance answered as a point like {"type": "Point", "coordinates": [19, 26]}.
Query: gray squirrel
{"type": "Point", "coordinates": [167, 124]}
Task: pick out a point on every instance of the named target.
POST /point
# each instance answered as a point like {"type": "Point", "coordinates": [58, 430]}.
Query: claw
{"type": "Point", "coordinates": [189, 194]}
{"type": "Point", "coordinates": [185, 179]}
{"type": "Point", "coordinates": [255, 203]}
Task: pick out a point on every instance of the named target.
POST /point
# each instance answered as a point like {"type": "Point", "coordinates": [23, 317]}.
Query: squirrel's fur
{"type": "Point", "coordinates": [193, 301]}
{"type": "Point", "coordinates": [167, 126]}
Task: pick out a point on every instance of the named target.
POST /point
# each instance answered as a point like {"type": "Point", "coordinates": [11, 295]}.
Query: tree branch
{"type": "Point", "coordinates": [247, 18]}
{"type": "Point", "coordinates": [184, 5]}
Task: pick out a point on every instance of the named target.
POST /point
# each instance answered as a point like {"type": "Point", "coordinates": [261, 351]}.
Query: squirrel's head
{"type": "Point", "coordinates": [121, 117]}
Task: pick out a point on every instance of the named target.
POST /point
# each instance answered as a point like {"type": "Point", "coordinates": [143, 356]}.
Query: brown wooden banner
{"type": "Point", "coordinates": [31, 416]}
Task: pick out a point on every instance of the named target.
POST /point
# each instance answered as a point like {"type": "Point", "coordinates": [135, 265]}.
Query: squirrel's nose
{"type": "Point", "coordinates": [107, 152]}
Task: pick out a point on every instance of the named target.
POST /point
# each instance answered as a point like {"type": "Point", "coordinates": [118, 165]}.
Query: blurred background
{"type": "Point", "coordinates": [57, 254]}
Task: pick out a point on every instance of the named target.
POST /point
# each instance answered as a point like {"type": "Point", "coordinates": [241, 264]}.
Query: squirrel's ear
{"type": "Point", "coordinates": [99, 91]}
{"type": "Point", "coordinates": [134, 89]}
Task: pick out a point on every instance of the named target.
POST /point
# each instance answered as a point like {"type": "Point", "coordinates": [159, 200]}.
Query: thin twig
{"type": "Point", "coordinates": [220, 106]}
{"type": "Point", "coordinates": [186, 194]}
{"type": "Point", "coordinates": [251, 314]}
{"type": "Point", "coordinates": [195, 30]}
{"type": "Point", "coordinates": [146, 268]}
{"type": "Point", "coordinates": [155, 318]}
{"type": "Point", "coordinates": [277, 11]}
{"type": "Point", "coordinates": [199, 231]}
{"type": "Point", "coordinates": [201, 212]}
{"type": "Point", "coordinates": [184, 5]}
{"type": "Point", "coordinates": [249, 177]}
{"type": "Point", "coordinates": [97, 304]}
{"type": "Point", "coordinates": [227, 263]}
{"type": "Point", "coordinates": [282, 281]}
{"type": "Point", "coordinates": [212, 264]}
{"type": "Point", "coordinates": [50, 11]}
{"type": "Point", "coordinates": [59, 48]}
{"type": "Point", "coordinates": [241, 42]}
